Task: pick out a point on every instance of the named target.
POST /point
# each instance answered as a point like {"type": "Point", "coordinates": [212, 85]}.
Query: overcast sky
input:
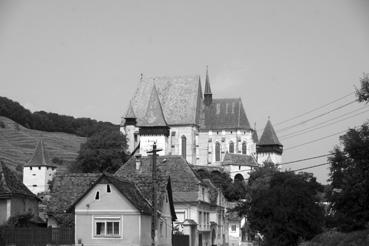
{"type": "Point", "coordinates": [283, 58]}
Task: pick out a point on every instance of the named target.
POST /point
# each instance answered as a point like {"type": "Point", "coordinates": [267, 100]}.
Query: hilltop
{"type": "Point", "coordinates": [17, 143]}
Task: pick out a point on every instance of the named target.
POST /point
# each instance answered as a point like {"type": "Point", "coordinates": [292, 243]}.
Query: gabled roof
{"type": "Point", "coordinates": [239, 160]}
{"type": "Point", "coordinates": [11, 186]}
{"type": "Point", "coordinates": [154, 115]}
{"type": "Point", "coordinates": [40, 157]}
{"type": "Point", "coordinates": [269, 136]}
{"type": "Point", "coordinates": [178, 98]}
{"type": "Point", "coordinates": [225, 113]}
{"type": "Point", "coordinates": [128, 189]}
{"type": "Point", "coordinates": [130, 113]}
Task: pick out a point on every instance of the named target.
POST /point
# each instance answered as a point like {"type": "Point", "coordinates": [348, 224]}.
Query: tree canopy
{"type": "Point", "coordinates": [102, 152]}
{"type": "Point", "coordinates": [349, 176]}
{"type": "Point", "coordinates": [282, 206]}
{"type": "Point", "coordinates": [363, 93]}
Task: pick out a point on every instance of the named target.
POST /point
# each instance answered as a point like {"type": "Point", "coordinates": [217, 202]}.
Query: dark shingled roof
{"type": "Point", "coordinates": [225, 113]}
{"type": "Point", "coordinates": [183, 178]}
{"type": "Point", "coordinates": [154, 113]}
{"type": "Point", "coordinates": [207, 83]}
{"type": "Point", "coordinates": [11, 186]}
{"type": "Point", "coordinates": [239, 159]}
{"type": "Point", "coordinates": [128, 189]}
{"type": "Point", "coordinates": [40, 157]}
{"type": "Point", "coordinates": [180, 98]}
{"type": "Point", "coordinates": [269, 136]}
{"type": "Point", "coordinates": [130, 113]}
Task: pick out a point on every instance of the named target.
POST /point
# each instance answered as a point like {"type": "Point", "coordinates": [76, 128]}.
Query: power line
{"type": "Point", "coordinates": [315, 140]}
{"type": "Point", "coordinates": [313, 110]}
{"type": "Point", "coordinates": [305, 159]}
{"type": "Point", "coordinates": [317, 128]}
{"type": "Point", "coordinates": [316, 117]}
{"type": "Point", "coordinates": [309, 167]}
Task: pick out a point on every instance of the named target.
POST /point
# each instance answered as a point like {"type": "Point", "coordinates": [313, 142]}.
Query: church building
{"type": "Point", "coordinates": [184, 120]}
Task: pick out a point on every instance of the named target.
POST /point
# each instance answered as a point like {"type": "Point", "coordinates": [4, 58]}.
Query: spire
{"type": "Point", "coordinates": [269, 136]}
{"type": "Point", "coordinates": [255, 134]}
{"type": "Point", "coordinates": [208, 96]}
{"type": "Point", "coordinates": [154, 116]}
{"type": "Point", "coordinates": [39, 157]}
{"type": "Point", "coordinates": [130, 118]}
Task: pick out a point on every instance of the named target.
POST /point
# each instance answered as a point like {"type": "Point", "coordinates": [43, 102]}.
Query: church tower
{"type": "Point", "coordinates": [208, 96]}
{"type": "Point", "coordinates": [269, 148]}
{"type": "Point", "coordinates": [130, 129]}
{"type": "Point", "coordinates": [154, 127]}
{"type": "Point", "coordinates": [37, 172]}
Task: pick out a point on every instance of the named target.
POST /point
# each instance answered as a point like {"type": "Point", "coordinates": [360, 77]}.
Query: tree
{"type": "Point", "coordinates": [282, 206]}
{"type": "Point", "coordinates": [102, 152]}
{"type": "Point", "coordinates": [363, 93]}
{"type": "Point", "coordinates": [349, 176]}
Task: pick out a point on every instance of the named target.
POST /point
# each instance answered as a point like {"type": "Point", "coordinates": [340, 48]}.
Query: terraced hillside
{"type": "Point", "coordinates": [17, 143]}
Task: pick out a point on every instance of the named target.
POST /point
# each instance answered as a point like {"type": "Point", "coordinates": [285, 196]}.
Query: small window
{"type": "Point", "coordinates": [97, 195]}
{"type": "Point", "coordinates": [107, 227]}
{"type": "Point", "coordinates": [34, 174]}
{"type": "Point", "coordinates": [217, 151]}
{"type": "Point", "coordinates": [108, 188]}
{"type": "Point", "coordinates": [34, 185]}
{"type": "Point", "coordinates": [218, 108]}
{"type": "Point", "coordinates": [30, 168]}
{"type": "Point", "coordinates": [233, 227]}
{"type": "Point", "coordinates": [244, 148]}
{"type": "Point", "coordinates": [231, 147]}
{"type": "Point", "coordinates": [39, 168]}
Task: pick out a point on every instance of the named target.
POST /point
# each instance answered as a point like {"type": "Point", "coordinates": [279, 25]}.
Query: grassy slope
{"type": "Point", "coordinates": [17, 143]}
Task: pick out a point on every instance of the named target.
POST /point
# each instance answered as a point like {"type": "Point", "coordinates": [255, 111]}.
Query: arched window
{"type": "Point", "coordinates": [231, 147]}
{"type": "Point", "coordinates": [217, 151]}
{"type": "Point", "coordinates": [238, 177]}
{"type": "Point", "coordinates": [184, 145]}
{"type": "Point", "coordinates": [244, 148]}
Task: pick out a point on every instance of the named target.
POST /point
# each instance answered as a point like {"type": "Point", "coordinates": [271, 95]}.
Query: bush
{"type": "Point", "coordinates": [2, 124]}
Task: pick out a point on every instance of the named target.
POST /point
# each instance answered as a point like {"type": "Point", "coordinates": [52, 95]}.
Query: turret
{"type": "Point", "coordinates": [130, 129]}
{"type": "Point", "coordinates": [208, 96]}
{"type": "Point", "coordinates": [269, 148]}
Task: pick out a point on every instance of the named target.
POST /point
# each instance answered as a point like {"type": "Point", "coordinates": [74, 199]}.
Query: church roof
{"type": "Point", "coordinates": [225, 113]}
{"type": "Point", "coordinates": [180, 98]}
{"type": "Point", "coordinates": [207, 83]}
{"type": "Point", "coordinates": [255, 137]}
{"type": "Point", "coordinates": [154, 115]}
{"type": "Point", "coordinates": [239, 160]}
{"type": "Point", "coordinates": [269, 137]}
{"type": "Point", "coordinates": [40, 157]}
{"type": "Point", "coordinates": [11, 186]}
{"type": "Point", "coordinates": [130, 113]}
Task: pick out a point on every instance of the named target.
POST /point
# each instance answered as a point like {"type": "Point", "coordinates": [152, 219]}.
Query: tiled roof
{"type": "Point", "coordinates": [185, 196]}
{"type": "Point", "coordinates": [255, 137]}
{"type": "Point", "coordinates": [40, 157]}
{"type": "Point", "coordinates": [180, 98]}
{"type": "Point", "coordinates": [225, 113]}
{"type": "Point", "coordinates": [154, 113]}
{"type": "Point", "coordinates": [130, 113]}
{"type": "Point", "coordinates": [183, 178]}
{"type": "Point", "coordinates": [239, 159]}
{"type": "Point", "coordinates": [11, 186]}
{"type": "Point", "coordinates": [67, 188]}
{"type": "Point", "coordinates": [269, 136]}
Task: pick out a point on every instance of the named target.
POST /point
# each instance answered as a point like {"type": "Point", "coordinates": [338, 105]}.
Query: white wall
{"type": "Point", "coordinates": [276, 158]}
{"type": "Point", "coordinates": [36, 178]}
{"type": "Point", "coordinates": [146, 143]}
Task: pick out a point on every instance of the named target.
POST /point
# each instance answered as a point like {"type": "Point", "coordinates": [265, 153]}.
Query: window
{"type": "Point", "coordinates": [97, 195]}
{"type": "Point", "coordinates": [107, 227]}
{"type": "Point", "coordinates": [200, 219]}
{"type": "Point", "coordinates": [231, 147]}
{"type": "Point", "coordinates": [233, 227]}
{"type": "Point", "coordinates": [30, 168]}
{"type": "Point", "coordinates": [184, 142]}
{"type": "Point", "coordinates": [108, 188]}
{"type": "Point", "coordinates": [244, 148]}
{"type": "Point", "coordinates": [218, 109]}
{"type": "Point", "coordinates": [39, 168]}
{"type": "Point", "coordinates": [217, 151]}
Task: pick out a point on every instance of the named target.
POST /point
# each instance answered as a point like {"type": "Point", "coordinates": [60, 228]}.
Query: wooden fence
{"type": "Point", "coordinates": [36, 236]}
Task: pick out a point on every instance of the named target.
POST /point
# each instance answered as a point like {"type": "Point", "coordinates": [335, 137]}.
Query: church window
{"type": "Point", "coordinates": [231, 147]}
{"type": "Point", "coordinates": [108, 188]}
{"type": "Point", "coordinates": [218, 108]}
{"type": "Point", "coordinates": [226, 108]}
{"type": "Point", "coordinates": [233, 108]}
{"type": "Point", "coordinates": [97, 195]}
{"type": "Point", "coordinates": [244, 148]}
{"type": "Point", "coordinates": [184, 145]}
{"type": "Point", "coordinates": [217, 151]}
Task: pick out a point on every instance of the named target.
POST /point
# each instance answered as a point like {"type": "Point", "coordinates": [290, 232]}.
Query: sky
{"type": "Point", "coordinates": [283, 58]}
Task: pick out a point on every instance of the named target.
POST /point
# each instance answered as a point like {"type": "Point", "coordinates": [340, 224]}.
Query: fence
{"type": "Point", "coordinates": [36, 236]}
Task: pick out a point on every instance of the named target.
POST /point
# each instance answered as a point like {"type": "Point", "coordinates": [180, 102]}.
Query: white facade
{"type": "Point", "coordinates": [147, 142]}
{"type": "Point", "coordinates": [36, 178]}
{"type": "Point", "coordinates": [274, 157]}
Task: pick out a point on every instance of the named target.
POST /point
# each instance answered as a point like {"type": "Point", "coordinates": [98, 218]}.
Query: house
{"type": "Point", "coordinates": [15, 197]}
{"type": "Point", "coordinates": [198, 204]}
{"type": "Point", "coordinates": [239, 166]}
{"type": "Point", "coordinates": [192, 123]}
{"type": "Point", "coordinates": [114, 211]}
{"type": "Point", "coordinates": [37, 172]}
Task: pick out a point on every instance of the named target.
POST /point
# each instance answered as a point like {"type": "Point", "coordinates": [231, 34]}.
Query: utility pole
{"type": "Point", "coordinates": [154, 190]}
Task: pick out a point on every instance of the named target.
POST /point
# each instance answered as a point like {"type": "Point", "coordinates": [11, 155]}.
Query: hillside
{"type": "Point", "coordinates": [333, 238]}
{"type": "Point", "coordinates": [17, 143]}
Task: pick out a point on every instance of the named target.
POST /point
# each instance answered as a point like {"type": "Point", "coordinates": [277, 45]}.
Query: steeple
{"type": "Point", "coordinates": [39, 157]}
{"type": "Point", "coordinates": [208, 96]}
{"type": "Point", "coordinates": [154, 121]}
{"type": "Point", "coordinates": [130, 118]}
{"type": "Point", "coordinates": [269, 141]}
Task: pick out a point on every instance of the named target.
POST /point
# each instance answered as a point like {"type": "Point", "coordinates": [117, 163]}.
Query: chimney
{"type": "Point", "coordinates": [138, 162]}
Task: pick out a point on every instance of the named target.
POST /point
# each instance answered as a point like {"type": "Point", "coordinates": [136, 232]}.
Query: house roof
{"type": "Point", "coordinates": [174, 93]}
{"type": "Point", "coordinates": [255, 137]}
{"type": "Point", "coordinates": [130, 114]}
{"type": "Point", "coordinates": [11, 186]}
{"type": "Point", "coordinates": [39, 157]}
{"type": "Point", "coordinates": [269, 137]}
{"type": "Point", "coordinates": [128, 189]}
{"type": "Point", "coordinates": [154, 115]}
{"type": "Point", "coordinates": [225, 113]}
{"type": "Point", "coordinates": [239, 159]}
